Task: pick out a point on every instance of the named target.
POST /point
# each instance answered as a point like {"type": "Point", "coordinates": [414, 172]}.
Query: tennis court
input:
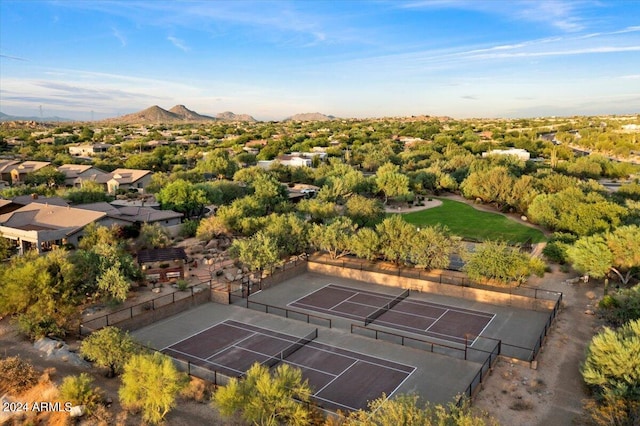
{"type": "Point", "coordinates": [443, 322]}
{"type": "Point", "coordinates": [341, 379]}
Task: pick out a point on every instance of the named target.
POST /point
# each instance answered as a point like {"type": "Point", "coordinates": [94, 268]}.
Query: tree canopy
{"type": "Point", "coordinates": [266, 399]}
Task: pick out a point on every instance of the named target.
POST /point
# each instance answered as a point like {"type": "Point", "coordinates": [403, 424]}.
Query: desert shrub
{"type": "Point", "coordinates": [79, 390]}
{"type": "Point", "coordinates": [16, 375]}
{"type": "Point", "coordinates": [189, 228]}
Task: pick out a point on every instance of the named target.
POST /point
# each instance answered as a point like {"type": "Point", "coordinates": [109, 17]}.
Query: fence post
{"type": "Point", "coordinates": [108, 319]}
{"type": "Point", "coordinates": [153, 304]}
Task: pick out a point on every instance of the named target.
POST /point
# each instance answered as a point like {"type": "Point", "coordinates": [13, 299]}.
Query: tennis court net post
{"type": "Point", "coordinates": [371, 318]}
{"type": "Point", "coordinates": [288, 351]}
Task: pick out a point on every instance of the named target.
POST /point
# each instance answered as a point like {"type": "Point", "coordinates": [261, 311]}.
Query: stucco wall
{"type": "Point", "coordinates": [468, 293]}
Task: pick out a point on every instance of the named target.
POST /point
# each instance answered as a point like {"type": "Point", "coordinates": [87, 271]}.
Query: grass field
{"type": "Point", "coordinates": [467, 222]}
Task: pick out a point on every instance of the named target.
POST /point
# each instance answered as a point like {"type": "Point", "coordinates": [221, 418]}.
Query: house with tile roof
{"type": "Point", "coordinates": [6, 166]}
{"type": "Point", "coordinates": [76, 173]}
{"type": "Point", "coordinates": [19, 173]}
{"type": "Point", "coordinates": [125, 179]}
{"type": "Point", "coordinates": [129, 215]}
{"type": "Point", "coordinates": [41, 227]}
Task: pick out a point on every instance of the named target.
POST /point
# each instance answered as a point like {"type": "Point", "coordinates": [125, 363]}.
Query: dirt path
{"type": "Point", "coordinates": [552, 394]}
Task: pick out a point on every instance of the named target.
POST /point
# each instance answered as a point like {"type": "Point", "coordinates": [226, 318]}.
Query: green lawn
{"type": "Point", "coordinates": [467, 222]}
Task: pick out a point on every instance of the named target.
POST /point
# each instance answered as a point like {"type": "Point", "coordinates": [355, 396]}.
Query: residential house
{"type": "Point", "coordinates": [5, 169]}
{"type": "Point", "coordinates": [76, 173]}
{"type": "Point", "coordinates": [129, 215]}
{"type": "Point", "coordinates": [7, 206]}
{"type": "Point", "coordinates": [125, 179]}
{"type": "Point", "coordinates": [89, 150]}
{"type": "Point", "coordinates": [44, 226]}
{"type": "Point", "coordinates": [19, 173]}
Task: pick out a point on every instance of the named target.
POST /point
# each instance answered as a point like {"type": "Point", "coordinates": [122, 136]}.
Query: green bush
{"type": "Point", "coordinates": [556, 251]}
{"type": "Point", "coordinates": [79, 390]}
{"type": "Point", "coordinates": [189, 228]}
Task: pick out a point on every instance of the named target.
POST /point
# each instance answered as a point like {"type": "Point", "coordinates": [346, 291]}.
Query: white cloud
{"type": "Point", "coordinates": [117, 34]}
{"type": "Point", "coordinates": [180, 44]}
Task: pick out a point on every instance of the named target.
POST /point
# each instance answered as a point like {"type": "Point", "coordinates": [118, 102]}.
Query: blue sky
{"type": "Point", "coordinates": [273, 59]}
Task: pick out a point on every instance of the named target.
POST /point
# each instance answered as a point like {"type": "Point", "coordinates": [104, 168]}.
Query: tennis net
{"type": "Point", "coordinates": [371, 318]}
{"type": "Point", "coordinates": [289, 350]}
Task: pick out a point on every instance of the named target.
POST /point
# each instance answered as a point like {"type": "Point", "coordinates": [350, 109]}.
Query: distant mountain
{"type": "Point", "coordinates": [7, 117]}
{"type": "Point", "coordinates": [310, 116]}
{"type": "Point", "coordinates": [188, 115]}
{"type": "Point", "coordinates": [155, 114]}
{"type": "Point", "coordinates": [229, 116]}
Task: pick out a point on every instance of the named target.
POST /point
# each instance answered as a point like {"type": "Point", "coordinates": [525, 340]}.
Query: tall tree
{"type": "Point", "coordinates": [184, 197]}
{"type": "Point", "coordinates": [257, 252]}
{"type": "Point", "coordinates": [266, 399]}
{"type": "Point", "coordinates": [431, 248]}
{"type": "Point", "coordinates": [333, 237]}
{"type": "Point", "coordinates": [109, 347]}
{"type": "Point", "coordinates": [612, 370]}
{"type": "Point", "coordinates": [364, 211]}
{"type": "Point", "coordinates": [396, 236]}
{"type": "Point", "coordinates": [151, 383]}
{"type": "Point", "coordinates": [391, 182]}
{"type": "Point", "coordinates": [496, 260]}
{"type": "Point", "coordinates": [41, 289]}
{"type": "Point", "coordinates": [616, 251]}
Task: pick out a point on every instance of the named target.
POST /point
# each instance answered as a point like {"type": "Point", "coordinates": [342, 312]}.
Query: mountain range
{"type": "Point", "coordinates": [177, 114]}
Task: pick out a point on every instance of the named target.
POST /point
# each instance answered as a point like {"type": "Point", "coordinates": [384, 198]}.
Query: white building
{"type": "Point", "coordinates": [522, 154]}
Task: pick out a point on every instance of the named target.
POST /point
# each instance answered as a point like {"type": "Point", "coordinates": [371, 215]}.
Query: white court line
{"type": "Point", "coordinates": [345, 300]}
{"type": "Point", "coordinates": [450, 308]}
{"type": "Point", "coordinates": [361, 359]}
{"type": "Point", "coordinates": [314, 292]}
{"type": "Point", "coordinates": [336, 377]}
{"type": "Point", "coordinates": [483, 329]}
{"type": "Point", "coordinates": [207, 362]}
{"type": "Point", "coordinates": [194, 334]}
{"type": "Point", "coordinates": [436, 321]}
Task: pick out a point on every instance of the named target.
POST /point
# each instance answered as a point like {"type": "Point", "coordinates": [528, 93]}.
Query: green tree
{"type": "Point", "coordinates": [431, 248]}
{"type": "Point", "coordinates": [407, 410]}
{"type": "Point", "coordinates": [574, 211]}
{"type": "Point", "coordinates": [218, 164]}
{"type": "Point", "coordinates": [616, 251]}
{"type": "Point", "coordinates": [365, 244]}
{"type": "Point", "coordinates": [183, 196]}
{"type": "Point", "coordinates": [257, 252]}
{"type": "Point", "coordinates": [7, 247]}
{"type": "Point", "coordinates": [151, 383]}
{"type": "Point", "coordinates": [109, 347]}
{"type": "Point", "coordinates": [318, 210]}
{"type": "Point", "coordinates": [496, 260]}
{"type": "Point", "coordinates": [333, 237]}
{"type": "Point", "coordinates": [41, 290]}
{"type": "Point", "coordinates": [153, 235]}
{"type": "Point", "coordinates": [396, 238]}
{"type": "Point", "coordinates": [266, 399]}
{"type": "Point", "coordinates": [364, 211]}
{"type": "Point", "coordinates": [391, 182]}
{"type": "Point", "coordinates": [48, 175]}
{"type": "Point", "coordinates": [621, 307]}
{"type": "Point", "coordinates": [612, 368]}
{"type": "Point", "coordinates": [289, 233]}
{"type": "Point", "coordinates": [113, 283]}
{"type": "Point", "coordinates": [89, 192]}
{"type": "Point", "coordinates": [211, 227]}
